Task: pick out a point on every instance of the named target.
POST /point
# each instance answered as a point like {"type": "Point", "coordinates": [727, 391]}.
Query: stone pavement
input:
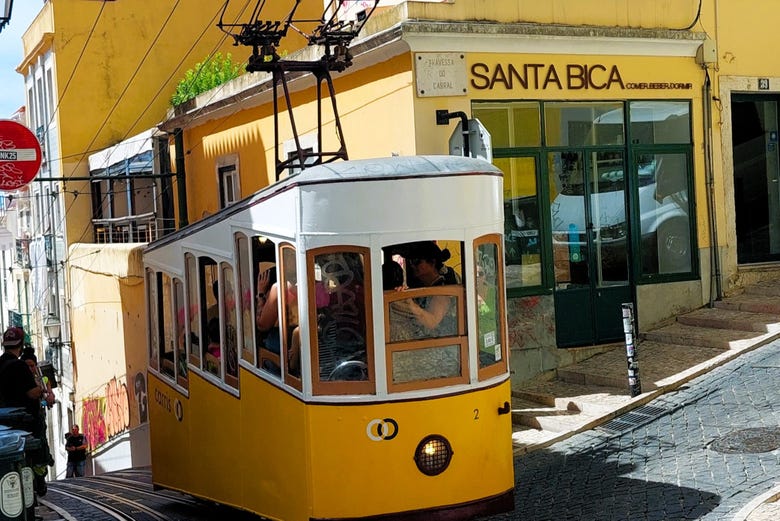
{"type": "Point", "coordinates": [590, 393]}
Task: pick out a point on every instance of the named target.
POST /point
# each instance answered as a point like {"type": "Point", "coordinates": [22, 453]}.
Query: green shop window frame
{"type": "Point", "coordinates": [635, 154]}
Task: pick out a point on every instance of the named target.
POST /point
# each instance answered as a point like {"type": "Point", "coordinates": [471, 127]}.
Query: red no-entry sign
{"type": "Point", "coordinates": [20, 155]}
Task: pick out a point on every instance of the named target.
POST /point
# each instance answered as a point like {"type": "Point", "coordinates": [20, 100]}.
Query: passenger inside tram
{"type": "Point", "coordinates": [267, 310]}
{"type": "Point", "coordinates": [392, 276]}
{"type": "Point", "coordinates": [429, 316]}
{"type": "Point", "coordinates": [213, 348]}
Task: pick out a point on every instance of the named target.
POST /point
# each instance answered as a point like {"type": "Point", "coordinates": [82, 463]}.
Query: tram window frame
{"type": "Point", "coordinates": [267, 360]}
{"type": "Point", "coordinates": [407, 337]}
{"type": "Point", "coordinates": [180, 346]}
{"type": "Point", "coordinates": [207, 263]}
{"type": "Point", "coordinates": [168, 338]}
{"type": "Point", "coordinates": [501, 366]}
{"type": "Point", "coordinates": [288, 268]}
{"type": "Point", "coordinates": [246, 301]}
{"type": "Point", "coordinates": [458, 291]}
{"type": "Point", "coordinates": [313, 273]}
{"type": "Point", "coordinates": [229, 326]}
{"type": "Point", "coordinates": [153, 283]}
{"type": "Point", "coordinates": [193, 310]}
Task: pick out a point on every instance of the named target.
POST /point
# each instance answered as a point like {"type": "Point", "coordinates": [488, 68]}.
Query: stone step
{"type": "Point", "coordinates": [750, 302]}
{"type": "Point", "coordinates": [719, 318]}
{"type": "Point", "coordinates": [770, 288]}
{"type": "Point", "coordinates": [538, 416]}
{"type": "Point", "coordinates": [572, 397]}
{"type": "Point", "coordinates": [657, 361]}
{"type": "Point", "coordinates": [683, 335]}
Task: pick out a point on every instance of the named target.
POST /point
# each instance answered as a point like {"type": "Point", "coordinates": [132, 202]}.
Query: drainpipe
{"type": "Point", "coordinates": [715, 277]}
{"type": "Point", "coordinates": [180, 178]}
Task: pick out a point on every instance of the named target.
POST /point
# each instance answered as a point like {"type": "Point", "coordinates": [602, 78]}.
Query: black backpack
{"type": "Point", "coordinates": [3, 366]}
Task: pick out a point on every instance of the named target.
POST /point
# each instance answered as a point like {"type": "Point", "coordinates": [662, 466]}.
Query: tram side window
{"type": "Point", "coordinates": [152, 290]}
{"type": "Point", "coordinates": [268, 340]}
{"type": "Point", "coordinates": [167, 360]}
{"type": "Point", "coordinates": [193, 330]}
{"type": "Point", "coordinates": [244, 267]}
{"type": "Point", "coordinates": [425, 317]}
{"type": "Point", "coordinates": [180, 352]}
{"type": "Point", "coordinates": [341, 298]}
{"type": "Point", "coordinates": [290, 324]}
{"type": "Point", "coordinates": [491, 349]}
{"type": "Point", "coordinates": [229, 332]}
{"type": "Point", "coordinates": [210, 325]}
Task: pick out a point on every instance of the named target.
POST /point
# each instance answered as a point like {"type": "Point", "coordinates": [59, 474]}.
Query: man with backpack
{"type": "Point", "coordinates": [18, 388]}
{"type": "Point", "coordinates": [17, 384]}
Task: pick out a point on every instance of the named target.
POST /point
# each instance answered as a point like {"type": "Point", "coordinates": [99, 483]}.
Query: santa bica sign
{"type": "Point", "coordinates": [20, 155]}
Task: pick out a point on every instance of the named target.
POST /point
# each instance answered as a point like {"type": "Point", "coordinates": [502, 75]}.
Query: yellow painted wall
{"type": "Point", "coordinates": [370, 130]}
{"type": "Point", "coordinates": [108, 326]}
{"type": "Point", "coordinates": [747, 38]}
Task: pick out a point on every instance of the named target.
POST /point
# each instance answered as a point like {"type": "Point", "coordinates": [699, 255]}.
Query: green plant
{"type": "Point", "coordinates": [210, 73]}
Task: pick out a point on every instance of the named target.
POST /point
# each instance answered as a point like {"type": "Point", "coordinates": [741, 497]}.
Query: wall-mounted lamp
{"type": "Point", "coordinates": [52, 327]}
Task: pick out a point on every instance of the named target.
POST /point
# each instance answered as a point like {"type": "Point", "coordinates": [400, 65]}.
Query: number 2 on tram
{"type": "Point", "coordinates": [335, 347]}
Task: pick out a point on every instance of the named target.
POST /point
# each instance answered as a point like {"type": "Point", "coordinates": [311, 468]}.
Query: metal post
{"type": "Point", "coordinates": [181, 179]}
{"type": "Point", "coordinates": [634, 385]}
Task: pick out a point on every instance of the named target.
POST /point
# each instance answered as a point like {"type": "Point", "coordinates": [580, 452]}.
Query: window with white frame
{"type": "Point", "coordinates": [227, 177]}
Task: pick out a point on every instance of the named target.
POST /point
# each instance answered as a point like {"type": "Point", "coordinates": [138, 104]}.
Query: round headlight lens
{"type": "Point", "coordinates": [433, 455]}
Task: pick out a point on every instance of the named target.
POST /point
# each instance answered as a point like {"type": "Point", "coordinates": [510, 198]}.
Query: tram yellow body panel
{"type": "Point", "coordinates": [358, 476]}
{"type": "Point", "coordinates": [330, 424]}
{"type": "Point", "coordinates": [170, 447]}
{"type": "Point", "coordinates": [228, 450]}
{"type": "Point", "coordinates": [273, 470]}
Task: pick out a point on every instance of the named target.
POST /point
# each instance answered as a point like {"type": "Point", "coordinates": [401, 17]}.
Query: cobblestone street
{"type": "Point", "coordinates": [702, 452]}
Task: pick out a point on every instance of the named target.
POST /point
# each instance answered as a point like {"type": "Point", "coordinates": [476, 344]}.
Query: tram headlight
{"type": "Point", "coordinates": [433, 455]}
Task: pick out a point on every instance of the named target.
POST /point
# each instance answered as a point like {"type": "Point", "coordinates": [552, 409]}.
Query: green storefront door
{"type": "Point", "coordinates": [590, 245]}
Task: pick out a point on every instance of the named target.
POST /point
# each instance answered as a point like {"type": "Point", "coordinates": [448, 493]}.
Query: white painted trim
{"type": "Point", "coordinates": [548, 44]}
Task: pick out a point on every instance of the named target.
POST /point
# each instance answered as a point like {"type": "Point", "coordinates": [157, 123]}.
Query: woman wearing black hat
{"type": "Point", "coordinates": [425, 261]}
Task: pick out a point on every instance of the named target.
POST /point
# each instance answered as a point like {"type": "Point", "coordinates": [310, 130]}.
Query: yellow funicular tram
{"type": "Point", "coordinates": [335, 346]}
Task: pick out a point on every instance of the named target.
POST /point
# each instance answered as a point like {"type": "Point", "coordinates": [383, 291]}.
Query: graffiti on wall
{"type": "Point", "coordinates": [104, 417]}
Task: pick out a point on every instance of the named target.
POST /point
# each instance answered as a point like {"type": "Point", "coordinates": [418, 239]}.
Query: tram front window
{"type": "Point", "coordinates": [426, 331]}
{"type": "Point", "coordinates": [341, 316]}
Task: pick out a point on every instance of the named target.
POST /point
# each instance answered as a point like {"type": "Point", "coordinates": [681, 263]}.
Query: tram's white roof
{"type": "Point", "coordinates": [406, 166]}
{"type": "Point", "coordinates": [379, 169]}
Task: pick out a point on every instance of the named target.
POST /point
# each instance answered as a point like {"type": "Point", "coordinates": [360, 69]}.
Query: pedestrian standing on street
{"type": "Point", "coordinates": [17, 384]}
{"type": "Point", "coordinates": [76, 446]}
{"type": "Point", "coordinates": [18, 388]}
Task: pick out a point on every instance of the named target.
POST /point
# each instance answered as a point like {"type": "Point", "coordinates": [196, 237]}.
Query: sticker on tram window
{"type": "Point", "coordinates": [498, 352]}
{"type": "Point", "coordinates": [490, 339]}
{"type": "Point", "coordinates": [382, 430]}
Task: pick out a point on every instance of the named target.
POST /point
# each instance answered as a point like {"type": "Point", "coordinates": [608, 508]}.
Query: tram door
{"type": "Point", "coordinates": [590, 245]}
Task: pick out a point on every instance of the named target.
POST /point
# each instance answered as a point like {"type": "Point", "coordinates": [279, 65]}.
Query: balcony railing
{"type": "Point", "coordinates": [137, 228]}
